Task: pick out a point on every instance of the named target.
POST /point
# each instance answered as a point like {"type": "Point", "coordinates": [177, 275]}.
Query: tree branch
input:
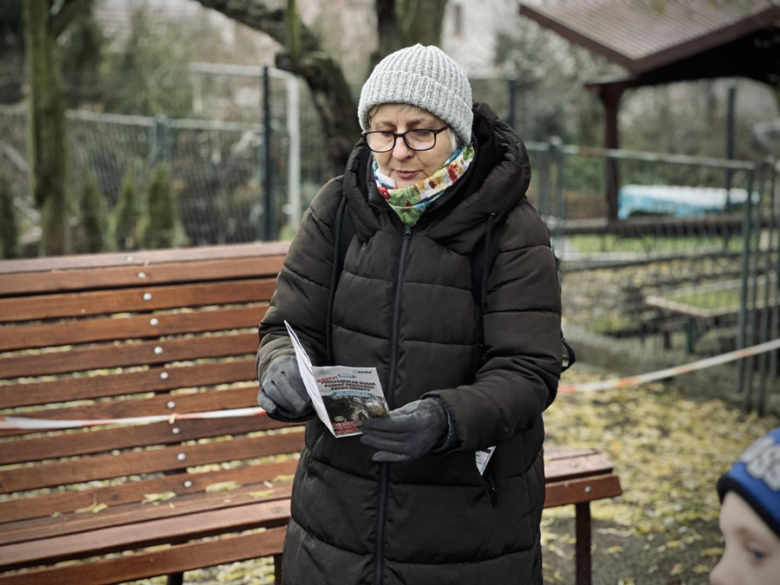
{"type": "Point", "coordinates": [324, 76]}
{"type": "Point", "coordinates": [389, 30]}
{"type": "Point", "coordinates": [256, 15]}
{"type": "Point", "coordinates": [68, 10]}
{"type": "Point", "coordinates": [293, 30]}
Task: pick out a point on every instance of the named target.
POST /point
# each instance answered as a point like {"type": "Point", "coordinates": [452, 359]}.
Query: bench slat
{"type": "Point", "coordinates": [92, 330]}
{"type": "Point", "coordinates": [581, 490]}
{"type": "Point", "coordinates": [553, 453]}
{"type": "Point", "coordinates": [131, 354]}
{"type": "Point", "coordinates": [149, 461]}
{"type": "Point", "coordinates": [168, 530]}
{"type": "Point", "coordinates": [161, 562]}
{"type": "Point", "coordinates": [135, 491]}
{"type": "Point", "coordinates": [574, 467]}
{"type": "Point", "coordinates": [151, 380]}
{"type": "Point", "coordinates": [74, 280]}
{"type": "Point", "coordinates": [132, 300]}
{"type": "Point", "coordinates": [143, 258]}
{"type": "Point", "coordinates": [102, 441]}
{"type": "Point", "coordinates": [75, 524]}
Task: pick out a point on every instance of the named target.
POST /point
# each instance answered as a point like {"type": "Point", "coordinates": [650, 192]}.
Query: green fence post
{"type": "Point", "coordinates": [743, 293]}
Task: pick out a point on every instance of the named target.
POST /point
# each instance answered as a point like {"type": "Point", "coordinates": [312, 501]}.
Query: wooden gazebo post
{"type": "Point", "coordinates": [610, 93]}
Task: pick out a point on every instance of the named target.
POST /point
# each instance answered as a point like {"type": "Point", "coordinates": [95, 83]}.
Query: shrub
{"type": "Point", "coordinates": [9, 225]}
{"type": "Point", "coordinates": [160, 225]}
{"type": "Point", "coordinates": [92, 217]}
{"type": "Point", "coordinates": [126, 216]}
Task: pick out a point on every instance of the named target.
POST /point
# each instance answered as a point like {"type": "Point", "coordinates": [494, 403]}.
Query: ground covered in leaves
{"type": "Point", "coordinates": [669, 444]}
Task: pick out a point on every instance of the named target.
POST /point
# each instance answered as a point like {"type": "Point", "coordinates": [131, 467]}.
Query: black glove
{"type": "Point", "coordinates": [407, 433]}
{"type": "Point", "coordinates": [282, 393]}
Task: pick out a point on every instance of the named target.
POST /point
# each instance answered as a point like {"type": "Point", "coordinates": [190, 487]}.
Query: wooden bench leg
{"type": "Point", "coordinates": [176, 579]}
{"type": "Point", "coordinates": [582, 547]}
{"type": "Point", "coordinates": [278, 569]}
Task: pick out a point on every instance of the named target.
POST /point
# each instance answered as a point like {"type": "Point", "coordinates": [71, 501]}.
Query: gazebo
{"type": "Point", "coordinates": [666, 41]}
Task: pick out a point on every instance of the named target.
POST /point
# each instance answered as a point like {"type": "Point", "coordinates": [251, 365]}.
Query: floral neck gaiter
{"type": "Point", "coordinates": [410, 202]}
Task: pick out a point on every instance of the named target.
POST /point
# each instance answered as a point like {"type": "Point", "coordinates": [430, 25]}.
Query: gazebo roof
{"type": "Point", "coordinates": [681, 39]}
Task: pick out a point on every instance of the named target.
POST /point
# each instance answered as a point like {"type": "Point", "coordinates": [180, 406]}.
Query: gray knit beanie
{"type": "Point", "coordinates": [425, 77]}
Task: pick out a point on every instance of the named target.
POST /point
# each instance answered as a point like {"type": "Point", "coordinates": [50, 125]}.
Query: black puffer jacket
{"type": "Point", "coordinates": [404, 305]}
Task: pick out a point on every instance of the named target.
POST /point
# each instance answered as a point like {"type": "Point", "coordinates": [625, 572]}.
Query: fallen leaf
{"type": "Point", "coordinates": [712, 552]}
{"type": "Point", "coordinates": [262, 494]}
{"type": "Point", "coordinates": [92, 509]}
{"type": "Point", "coordinates": [279, 478]}
{"type": "Point", "coordinates": [162, 497]}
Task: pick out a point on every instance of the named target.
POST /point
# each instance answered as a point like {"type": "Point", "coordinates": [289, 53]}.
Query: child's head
{"type": "Point", "coordinates": [750, 516]}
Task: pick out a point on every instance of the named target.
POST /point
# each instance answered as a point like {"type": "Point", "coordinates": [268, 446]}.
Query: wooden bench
{"type": "Point", "coordinates": [149, 333]}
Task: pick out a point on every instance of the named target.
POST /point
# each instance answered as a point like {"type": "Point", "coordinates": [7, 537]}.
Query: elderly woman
{"type": "Point", "coordinates": [405, 503]}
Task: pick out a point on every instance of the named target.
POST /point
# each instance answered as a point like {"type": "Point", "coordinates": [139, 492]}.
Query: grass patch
{"type": "Point", "coordinates": [598, 244]}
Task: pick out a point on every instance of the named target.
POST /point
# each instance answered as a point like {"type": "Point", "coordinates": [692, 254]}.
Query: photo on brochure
{"type": "Point", "coordinates": [343, 397]}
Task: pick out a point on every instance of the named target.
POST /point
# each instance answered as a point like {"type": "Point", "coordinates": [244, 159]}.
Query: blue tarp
{"type": "Point", "coordinates": [675, 201]}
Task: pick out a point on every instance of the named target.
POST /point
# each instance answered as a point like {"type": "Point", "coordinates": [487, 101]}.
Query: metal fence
{"type": "Point", "coordinates": [688, 269]}
{"type": "Point", "coordinates": [224, 175]}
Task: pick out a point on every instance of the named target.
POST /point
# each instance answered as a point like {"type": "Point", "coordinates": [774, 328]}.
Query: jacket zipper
{"type": "Point", "coordinates": [380, 523]}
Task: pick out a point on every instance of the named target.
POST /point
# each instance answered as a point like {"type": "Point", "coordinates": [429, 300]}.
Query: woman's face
{"type": "Point", "coordinates": [752, 555]}
{"type": "Point", "coordinates": [402, 164]}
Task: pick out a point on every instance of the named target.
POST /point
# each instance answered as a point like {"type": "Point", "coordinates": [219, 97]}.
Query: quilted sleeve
{"type": "Point", "coordinates": [522, 328]}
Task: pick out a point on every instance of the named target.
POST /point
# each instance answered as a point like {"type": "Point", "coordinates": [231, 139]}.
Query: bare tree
{"type": "Point", "coordinates": [399, 23]}
{"type": "Point", "coordinates": [44, 22]}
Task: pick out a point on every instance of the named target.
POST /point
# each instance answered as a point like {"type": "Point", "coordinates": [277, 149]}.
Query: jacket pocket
{"type": "Point", "coordinates": [490, 489]}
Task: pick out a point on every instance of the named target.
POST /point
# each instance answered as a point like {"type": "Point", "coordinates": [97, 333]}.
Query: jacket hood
{"type": "Point", "coordinates": [495, 183]}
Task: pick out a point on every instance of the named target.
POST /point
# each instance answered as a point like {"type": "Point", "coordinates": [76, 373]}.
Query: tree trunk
{"type": "Point", "coordinates": [421, 22]}
{"type": "Point", "coordinates": [388, 29]}
{"type": "Point", "coordinates": [404, 23]}
{"type": "Point", "coordinates": [46, 121]}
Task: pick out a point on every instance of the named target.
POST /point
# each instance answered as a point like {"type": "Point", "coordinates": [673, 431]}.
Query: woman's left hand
{"type": "Point", "coordinates": [407, 433]}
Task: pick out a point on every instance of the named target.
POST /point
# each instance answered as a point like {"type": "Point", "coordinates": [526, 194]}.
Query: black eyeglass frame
{"type": "Point", "coordinates": [403, 135]}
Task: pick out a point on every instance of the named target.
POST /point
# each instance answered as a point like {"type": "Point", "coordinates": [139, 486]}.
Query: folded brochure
{"type": "Point", "coordinates": [343, 397]}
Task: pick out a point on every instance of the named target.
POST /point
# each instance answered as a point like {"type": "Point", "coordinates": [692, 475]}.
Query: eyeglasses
{"type": "Point", "coordinates": [382, 141]}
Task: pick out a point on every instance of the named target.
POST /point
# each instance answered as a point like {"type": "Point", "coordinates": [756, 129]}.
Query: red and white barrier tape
{"type": "Point", "coordinates": [717, 360]}
{"type": "Point", "coordinates": [26, 423]}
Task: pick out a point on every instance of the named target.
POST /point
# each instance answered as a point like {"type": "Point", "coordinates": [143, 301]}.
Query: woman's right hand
{"type": "Point", "coordinates": [282, 393]}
